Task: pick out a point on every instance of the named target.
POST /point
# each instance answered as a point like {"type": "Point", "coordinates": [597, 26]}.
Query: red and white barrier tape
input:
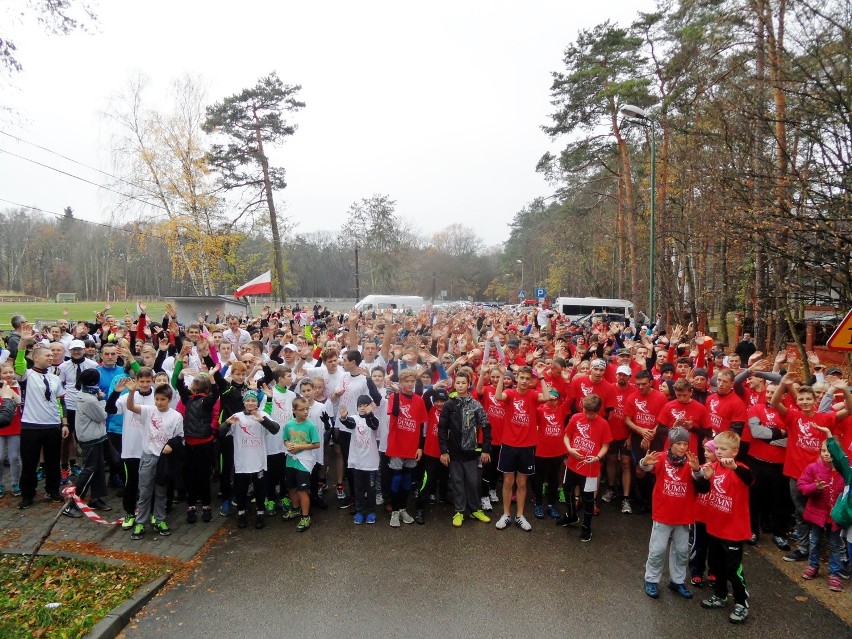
{"type": "Point", "coordinates": [71, 493]}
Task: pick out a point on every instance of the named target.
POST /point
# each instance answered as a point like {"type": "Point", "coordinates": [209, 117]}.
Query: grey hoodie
{"type": "Point", "coordinates": [91, 419]}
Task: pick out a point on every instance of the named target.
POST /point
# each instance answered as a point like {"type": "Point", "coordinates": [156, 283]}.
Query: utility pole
{"type": "Point", "coordinates": [357, 277]}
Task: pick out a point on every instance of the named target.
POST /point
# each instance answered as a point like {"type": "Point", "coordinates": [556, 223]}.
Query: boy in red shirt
{"type": "Point", "coordinates": [520, 436]}
{"type": "Point", "coordinates": [678, 475]}
{"type": "Point", "coordinates": [434, 473]}
{"type": "Point", "coordinates": [549, 453]}
{"type": "Point", "coordinates": [803, 443]}
{"type": "Point", "coordinates": [587, 438]}
{"type": "Point", "coordinates": [728, 525]}
{"type": "Point", "coordinates": [405, 446]}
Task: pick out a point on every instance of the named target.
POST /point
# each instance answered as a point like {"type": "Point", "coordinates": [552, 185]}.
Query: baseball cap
{"type": "Point", "coordinates": [76, 343]}
{"type": "Point", "coordinates": [623, 351]}
{"type": "Point", "coordinates": [440, 395]}
{"type": "Point", "coordinates": [624, 370]}
{"type": "Point", "coordinates": [598, 363]}
{"type": "Point", "coordinates": [554, 393]}
{"type": "Point", "coordinates": [290, 347]}
{"type": "Point", "coordinates": [834, 371]}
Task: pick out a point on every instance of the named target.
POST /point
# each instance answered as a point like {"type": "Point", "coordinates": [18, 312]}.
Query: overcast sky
{"type": "Point", "coordinates": [438, 105]}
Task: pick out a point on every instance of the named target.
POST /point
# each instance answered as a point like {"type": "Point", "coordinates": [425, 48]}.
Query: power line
{"type": "Point", "coordinates": [83, 164]}
{"type": "Point", "coordinates": [82, 179]}
{"type": "Point", "coordinates": [62, 216]}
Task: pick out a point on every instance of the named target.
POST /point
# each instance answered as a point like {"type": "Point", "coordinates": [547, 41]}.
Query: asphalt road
{"type": "Point", "coordinates": [338, 580]}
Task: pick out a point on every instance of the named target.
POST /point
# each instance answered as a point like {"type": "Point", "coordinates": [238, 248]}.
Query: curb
{"type": "Point", "coordinates": [65, 555]}
{"type": "Point", "coordinates": [120, 616]}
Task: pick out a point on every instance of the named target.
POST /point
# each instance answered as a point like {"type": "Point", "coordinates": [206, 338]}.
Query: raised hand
{"type": "Point", "coordinates": [781, 357]}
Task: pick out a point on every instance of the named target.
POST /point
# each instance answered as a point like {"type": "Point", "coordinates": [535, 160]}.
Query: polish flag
{"type": "Point", "coordinates": [259, 285]}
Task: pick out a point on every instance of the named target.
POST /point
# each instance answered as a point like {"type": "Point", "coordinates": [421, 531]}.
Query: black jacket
{"type": "Point", "coordinates": [170, 466]}
{"type": "Point", "coordinates": [460, 420]}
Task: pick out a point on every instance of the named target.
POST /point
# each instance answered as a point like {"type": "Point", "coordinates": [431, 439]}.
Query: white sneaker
{"type": "Point", "coordinates": [406, 518]}
{"type": "Point", "coordinates": [523, 523]}
{"type": "Point", "coordinates": [503, 522]}
{"type": "Point", "coordinates": [625, 507]}
{"type": "Point", "coordinates": [394, 522]}
{"type": "Point", "coordinates": [608, 495]}
{"type": "Point", "coordinates": [379, 499]}
{"type": "Point", "coordinates": [486, 504]}
{"type": "Point", "coordinates": [492, 495]}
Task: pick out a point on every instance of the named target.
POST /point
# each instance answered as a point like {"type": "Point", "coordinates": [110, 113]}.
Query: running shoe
{"type": "Point", "coordinates": [287, 515]}
{"type": "Point", "coordinates": [485, 503]}
{"type": "Point", "coordinates": [503, 522]}
{"type": "Point", "coordinates": [371, 518]}
{"type": "Point", "coordinates": [458, 520]}
{"type": "Point", "coordinates": [608, 495]}
{"type": "Point", "coordinates": [304, 524]}
{"type": "Point", "coordinates": [380, 500]}
{"type": "Point", "coordinates": [714, 602]}
{"type": "Point", "coordinates": [394, 520]}
{"type": "Point", "coordinates": [260, 519]}
{"type": "Point", "coordinates": [242, 519]}
{"type": "Point", "coordinates": [652, 589]}
{"type": "Point", "coordinates": [562, 499]}
{"type": "Point", "coordinates": [739, 615]}
{"type": "Point", "coordinates": [523, 523]}
{"type": "Point", "coordinates": [585, 535]}
{"type": "Point", "coordinates": [269, 506]}
{"type": "Point", "coordinates": [834, 583]}
{"type": "Point", "coordinates": [76, 470]}
{"type": "Point", "coordinates": [138, 531]}
{"type": "Point", "coordinates": [419, 518]}
{"type": "Point", "coordinates": [553, 511]}
{"type": "Point", "coordinates": [191, 516]}
{"type": "Point", "coordinates": [625, 507]}
{"type": "Point", "coordinates": [538, 511]}
{"type": "Point", "coordinates": [781, 542]}
{"type": "Point", "coordinates": [492, 495]}
{"type": "Point", "coordinates": [480, 516]}
{"type": "Point", "coordinates": [129, 521]}
{"type": "Point", "coordinates": [796, 555]}
{"type": "Point", "coordinates": [162, 528]}
{"type": "Point", "coordinates": [680, 589]}
{"type": "Point", "coordinates": [206, 514]}
{"type": "Point", "coordinates": [64, 475]}
{"type": "Point", "coordinates": [358, 519]}
{"type": "Point", "coordinates": [406, 518]}
{"type": "Point", "coordinates": [71, 510]}
{"type": "Point", "coordinates": [225, 510]}
{"type": "Point", "coordinates": [16, 490]}
{"type": "Point", "coordinates": [810, 572]}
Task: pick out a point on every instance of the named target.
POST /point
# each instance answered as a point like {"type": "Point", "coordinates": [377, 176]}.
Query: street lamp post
{"type": "Point", "coordinates": [521, 262]}
{"type": "Point", "coordinates": [640, 116]}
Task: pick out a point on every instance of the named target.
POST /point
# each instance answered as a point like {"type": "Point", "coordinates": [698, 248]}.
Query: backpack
{"type": "Point", "coordinates": [841, 513]}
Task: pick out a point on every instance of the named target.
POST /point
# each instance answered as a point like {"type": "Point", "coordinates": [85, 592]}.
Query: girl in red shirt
{"type": "Point", "coordinates": [10, 436]}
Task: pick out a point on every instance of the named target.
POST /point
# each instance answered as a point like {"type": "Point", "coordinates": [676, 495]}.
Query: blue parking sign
{"type": "Point", "coordinates": [540, 293]}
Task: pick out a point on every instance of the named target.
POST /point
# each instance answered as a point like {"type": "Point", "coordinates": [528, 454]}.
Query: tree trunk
{"type": "Point", "coordinates": [273, 216]}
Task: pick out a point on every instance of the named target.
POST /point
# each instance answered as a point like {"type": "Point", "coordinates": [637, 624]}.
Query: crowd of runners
{"type": "Point", "coordinates": [517, 416]}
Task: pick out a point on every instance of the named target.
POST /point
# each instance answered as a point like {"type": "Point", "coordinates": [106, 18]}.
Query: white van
{"type": "Point", "coordinates": [378, 303]}
{"type": "Point", "coordinates": [576, 307]}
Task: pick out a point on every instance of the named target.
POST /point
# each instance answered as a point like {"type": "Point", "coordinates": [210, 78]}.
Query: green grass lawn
{"type": "Point", "coordinates": [85, 591]}
{"type": "Point", "coordinates": [76, 310]}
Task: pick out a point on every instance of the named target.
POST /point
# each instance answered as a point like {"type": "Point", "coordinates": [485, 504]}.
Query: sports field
{"type": "Point", "coordinates": [76, 310]}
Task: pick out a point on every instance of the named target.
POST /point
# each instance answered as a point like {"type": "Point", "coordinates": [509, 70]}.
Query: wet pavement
{"type": "Point", "coordinates": [341, 580]}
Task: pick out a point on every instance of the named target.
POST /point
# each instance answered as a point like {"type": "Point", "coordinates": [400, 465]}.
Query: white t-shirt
{"type": "Point", "coordinates": [332, 382]}
{"type": "Point", "coordinates": [159, 428]}
{"type": "Point", "coordinates": [249, 444]}
{"type": "Point", "coordinates": [67, 373]}
{"type": "Point", "coordinates": [384, 421]}
{"type": "Point", "coordinates": [363, 449]}
{"type": "Point", "coordinates": [281, 413]}
{"type": "Point", "coordinates": [353, 387]}
{"type": "Point", "coordinates": [315, 412]}
{"type": "Point", "coordinates": [132, 428]}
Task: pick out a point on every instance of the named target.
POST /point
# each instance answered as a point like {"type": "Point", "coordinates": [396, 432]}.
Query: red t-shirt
{"type": "Point", "coordinates": [645, 410]}
{"type": "Point", "coordinates": [431, 446]}
{"type": "Point", "coordinates": [496, 412]}
{"type": "Point", "coordinates": [803, 440]}
{"type": "Point", "coordinates": [551, 423]}
{"type": "Point", "coordinates": [727, 513]}
{"type": "Point", "coordinates": [759, 448]}
{"type": "Point", "coordinates": [587, 437]}
{"type": "Point", "coordinates": [724, 409]}
{"type": "Point", "coordinates": [404, 429]}
{"type": "Point", "coordinates": [583, 386]}
{"type": "Point", "coordinates": [692, 410]}
{"type": "Point", "coordinates": [674, 493]}
{"type": "Point", "coordinates": [519, 424]}
{"type": "Point", "coordinates": [617, 426]}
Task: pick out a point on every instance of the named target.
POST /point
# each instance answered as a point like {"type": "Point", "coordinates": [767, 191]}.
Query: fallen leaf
{"type": "Point", "coordinates": [801, 598]}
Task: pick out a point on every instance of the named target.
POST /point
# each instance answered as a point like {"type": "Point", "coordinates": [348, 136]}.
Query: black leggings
{"type": "Point", "coordinates": [275, 465]}
{"type": "Point", "coordinates": [547, 471]}
{"type": "Point", "coordinates": [131, 485]}
{"type": "Point", "coordinates": [241, 484]}
{"type": "Point", "coordinates": [435, 478]}
{"type": "Point", "coordinates": [572, 480]}
{"type": "Point", "coordinates": [725, 560]}
{"type": "Point", "coordinates": [490, 475]}
{"type": "Point", "coordinates": [197, 462]}
{"type": "Point", "coordinates": [344, 438]}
